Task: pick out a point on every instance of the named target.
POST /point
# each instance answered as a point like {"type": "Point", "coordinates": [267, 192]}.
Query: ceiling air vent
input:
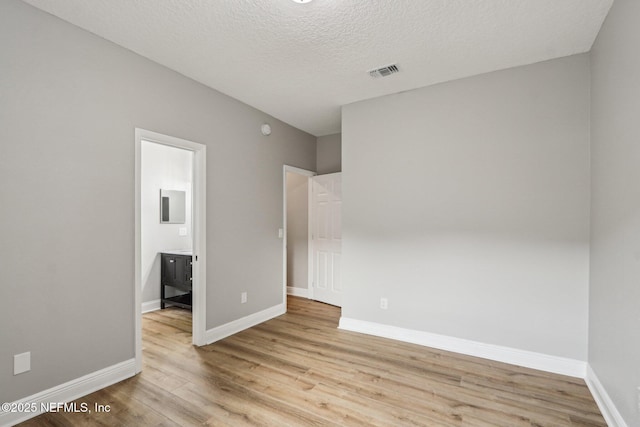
{"type": "Point", "coordinates": [384, 71]}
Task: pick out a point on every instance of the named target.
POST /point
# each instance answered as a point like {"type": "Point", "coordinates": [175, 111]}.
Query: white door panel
{"type": "Point", "coordinates": [327, 236]}
{"type": "Point", "coordinates": [337, 283]}
{"type": "Point", "coordinates": [336, 229]}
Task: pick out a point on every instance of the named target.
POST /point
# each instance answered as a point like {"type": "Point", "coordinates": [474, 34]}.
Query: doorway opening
{"type": "Point", "coordinates": [167, 229]}
{"type": "Point", "coordinates": [297, 237]}
{"type": "Point", "coordinates": [170, 257]}
{"type": "Point", "coordinates": [312, 235]}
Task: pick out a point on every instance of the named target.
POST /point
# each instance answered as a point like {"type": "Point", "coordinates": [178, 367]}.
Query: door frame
{"type": "Point", "coordinates": [199, 234]}
{"type": "Point", "coordinates": [309, 174]}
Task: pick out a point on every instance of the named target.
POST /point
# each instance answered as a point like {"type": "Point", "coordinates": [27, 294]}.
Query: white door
{"type": "Point", "coordinates": [327, 238]}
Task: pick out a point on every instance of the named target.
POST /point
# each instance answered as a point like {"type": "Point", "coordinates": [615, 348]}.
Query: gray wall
{"type": "Point", "coordinates": [614, 310]}
{"type": "Point", "coordinates": [329, 154]}
{"type": "Point", "coordinates": [468, 208]}
{"type": "Point", "coordinates": [297, 230]}
{"type": "Point", "coordinates": [69, 103]}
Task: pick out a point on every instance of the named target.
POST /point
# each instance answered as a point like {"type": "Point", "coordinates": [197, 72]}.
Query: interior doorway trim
{"type": "Point", "coordinates": [308, 174]}
{"type": "Point", "coordinates": [199, 235]}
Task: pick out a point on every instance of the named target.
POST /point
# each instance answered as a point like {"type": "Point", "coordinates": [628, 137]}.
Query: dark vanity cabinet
{"type": "Point", "coordinates": [175, 274]}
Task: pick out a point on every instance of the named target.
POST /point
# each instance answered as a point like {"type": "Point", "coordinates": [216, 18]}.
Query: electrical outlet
{"type": "Point", "coordinates": [384, 303]}
{"type": "Point", "coordinates": [243, 297]}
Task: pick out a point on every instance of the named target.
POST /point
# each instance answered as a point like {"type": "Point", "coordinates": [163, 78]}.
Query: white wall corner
{"type": "Point", "coordinates": [149, 306]}
{"type": "Point", "coordinates": [528, 359]}
{"type": "Point", "coordinates": [298, 292]}
{"type": "Point", "coordinates": [223, 331]}
{"type": "Point", "coordinates": [609, 411]}
{"type": "Point", "coordinates": [70, 391]}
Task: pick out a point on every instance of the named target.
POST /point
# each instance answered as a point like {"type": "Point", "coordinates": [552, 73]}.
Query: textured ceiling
{"type": "Point", "coordinates": [301, 62]}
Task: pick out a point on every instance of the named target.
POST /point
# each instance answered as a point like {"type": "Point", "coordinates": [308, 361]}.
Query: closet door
{"type": "Point", "coordinates": [327, 238]}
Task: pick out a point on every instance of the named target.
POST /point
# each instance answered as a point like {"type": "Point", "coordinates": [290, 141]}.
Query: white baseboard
{"type": "Point", "coordinates": [528, 359]}
{"type": "Point", "coordinates": [223, 331]}
{"type": "Point", "coordinates": [298, 292]}
{"type": "Point", "coordinates": [70, 391]}
{"type": "Point", "coordinates": [150, 306]}
{"type": "Point", "coordinates": [609, 411]}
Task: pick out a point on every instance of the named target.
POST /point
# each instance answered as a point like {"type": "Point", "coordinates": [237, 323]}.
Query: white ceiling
{"type": "Point", "coordinates": [302, 62]}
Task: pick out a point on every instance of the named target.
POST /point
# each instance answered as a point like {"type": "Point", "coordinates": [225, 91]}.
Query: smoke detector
{"type": "Point", "coordinates": [384, 71]}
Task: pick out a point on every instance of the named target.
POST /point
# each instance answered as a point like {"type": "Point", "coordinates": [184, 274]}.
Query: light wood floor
{"type": "Point", "coordinates": [298, 370]}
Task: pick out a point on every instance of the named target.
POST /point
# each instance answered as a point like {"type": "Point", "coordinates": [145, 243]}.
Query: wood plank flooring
{"type": "Point", "coordinates": [300, 370]}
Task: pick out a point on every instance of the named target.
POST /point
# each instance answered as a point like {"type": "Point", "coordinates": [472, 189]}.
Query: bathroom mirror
{"type": "Point", "coordinates": [172, 206]}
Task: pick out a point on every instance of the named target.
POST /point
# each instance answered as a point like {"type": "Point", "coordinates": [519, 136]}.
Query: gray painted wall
{"type": "Point", "coordinates": [297, 230]}
{"type": "Point", "coordinates": [466, 205]}
{"type": "Point", "coordinates": [69, 103]}
{"type": "Point", "coordinates": [614, 310]}
{"type": "Point", "coordinates": [329, 154]}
